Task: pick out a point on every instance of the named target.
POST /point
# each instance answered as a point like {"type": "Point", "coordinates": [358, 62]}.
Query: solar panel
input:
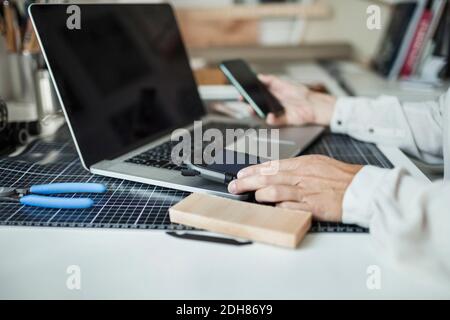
{"type": "Point", "coordinates": [131, 204]}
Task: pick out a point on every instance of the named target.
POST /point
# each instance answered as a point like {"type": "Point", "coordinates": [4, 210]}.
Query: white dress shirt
{"type": "Point", "coordinates": [409, 219]}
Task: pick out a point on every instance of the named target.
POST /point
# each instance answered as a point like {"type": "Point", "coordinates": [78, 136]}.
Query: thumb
{"type": "Point", "coordinates": [273, 120]}
{"type": "Point", "coordinates": [266, 79]}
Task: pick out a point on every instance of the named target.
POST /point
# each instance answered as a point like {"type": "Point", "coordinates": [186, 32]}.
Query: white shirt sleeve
{"type": "Point", "coordinates": [415, 128]}
{"type": "Point", "coordinates": [409, 219]}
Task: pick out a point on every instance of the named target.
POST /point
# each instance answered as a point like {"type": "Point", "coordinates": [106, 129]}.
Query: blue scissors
{"type": "Point", "coordinates": [41, 197]}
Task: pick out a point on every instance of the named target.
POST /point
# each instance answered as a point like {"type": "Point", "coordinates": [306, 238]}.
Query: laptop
{"type": "Point", "coordinates": [125, 84]}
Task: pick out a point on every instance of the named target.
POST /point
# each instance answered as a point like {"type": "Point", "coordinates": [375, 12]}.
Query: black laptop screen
{"type": "Point", "coordinates": [124, 76]}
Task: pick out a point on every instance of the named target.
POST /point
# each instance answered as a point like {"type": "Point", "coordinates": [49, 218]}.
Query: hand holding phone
{"type": "Point", "coordinates": [252, 90]}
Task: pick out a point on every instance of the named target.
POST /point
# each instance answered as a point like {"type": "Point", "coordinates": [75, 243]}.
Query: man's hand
{"type": "Point", "coordinates": [302, 106]}
{"type": "Point", "coordinates": [310, 183]}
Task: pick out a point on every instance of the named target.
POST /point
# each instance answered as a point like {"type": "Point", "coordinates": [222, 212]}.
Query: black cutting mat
{"type": "Point", "coordinates": [126, 204]}
{"type": "Point", "coordinates": [130, 204]}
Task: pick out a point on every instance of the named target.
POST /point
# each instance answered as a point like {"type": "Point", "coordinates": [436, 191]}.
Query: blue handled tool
{"type": "Point", "coordinates": [41, 195]}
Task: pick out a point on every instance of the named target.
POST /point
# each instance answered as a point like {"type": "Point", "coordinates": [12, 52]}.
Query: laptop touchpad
{"type": "Point", "coordinates": [263, 146]}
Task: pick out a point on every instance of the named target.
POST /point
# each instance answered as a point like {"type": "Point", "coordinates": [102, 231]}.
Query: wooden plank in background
{"type": "Point", "coordinates": [256, 53]}
{"type": "Point", "coordinates": [204, 33]}
{"type": "Point", "coordinates": [237, 25]}
{"type": "Point", "coordinates": [318, 10]}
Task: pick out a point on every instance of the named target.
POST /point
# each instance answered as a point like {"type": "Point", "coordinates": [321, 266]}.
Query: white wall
{"type": "Point", "coordinates": [349, 24]}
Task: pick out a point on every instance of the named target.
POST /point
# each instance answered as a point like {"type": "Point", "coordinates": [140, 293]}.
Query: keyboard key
{"type": "Point", "coordinates": [160, 156]}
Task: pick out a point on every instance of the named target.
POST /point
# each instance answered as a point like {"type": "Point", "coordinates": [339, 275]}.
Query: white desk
{"type": "Point", "coordinates": [150, 264]}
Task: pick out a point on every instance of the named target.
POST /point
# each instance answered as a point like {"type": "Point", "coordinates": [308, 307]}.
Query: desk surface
{"type": "Point", "coordinates": [143, 264]}
{"type": "Point", "coordinates": [150, 264]}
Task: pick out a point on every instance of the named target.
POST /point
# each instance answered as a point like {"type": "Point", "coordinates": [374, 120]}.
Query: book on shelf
{"type": "Point", "coordinates": [426, 50]}
{"type": "Point", "coordinates": [412, 56]}
{"type": "Point", "coordinates": [443, 42]}
{"type": "Point", "coordinates": [397, 30]}
{"type": "Point", "coordinates": [418, 36]}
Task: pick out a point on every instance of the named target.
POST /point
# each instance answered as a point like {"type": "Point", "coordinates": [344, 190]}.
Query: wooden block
{"type": "Point", "coordinates": [241, 219]}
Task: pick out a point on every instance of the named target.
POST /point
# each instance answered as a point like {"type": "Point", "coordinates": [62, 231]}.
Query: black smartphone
{"type": "Point", "coordinates": [252, 90]}
{"type": "Point", "coordinates": [225, 167]}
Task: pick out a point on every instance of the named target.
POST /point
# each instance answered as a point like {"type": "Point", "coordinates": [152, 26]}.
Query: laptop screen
{"type": "Point", "coordinates": [123, 76]}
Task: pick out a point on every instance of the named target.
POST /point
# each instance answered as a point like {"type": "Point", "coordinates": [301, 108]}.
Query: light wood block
{"type": "Point", "coordinates": [256, 222]}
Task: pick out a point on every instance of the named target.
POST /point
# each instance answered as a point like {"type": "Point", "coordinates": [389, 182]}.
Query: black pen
{"type": "Point", "coordinates": [201, 237]}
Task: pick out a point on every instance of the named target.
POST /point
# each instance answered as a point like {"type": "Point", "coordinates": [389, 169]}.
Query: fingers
{"type": "Point", "coordinates": [268, 80]}
{"type": "Point", "coordinates": [315, 184]}
{"type": "Point", "coordinates": [274, 84]}
{"type": "Point", "coordinates": [307, 207]}
{"type": "Point", "coordinates": [304, 165]}
{"type": "Point", "coordinates": [309, 183]}
{"type": "Point", "coordinates": [250, 110]}
{"type": "Point", "coordinates": [278, 193]}
{"type": "Point", "coordinates": [273, 120]}
{"type": "Point", "coordinates": [277, 88]}
{"type": "Point", "coordinates": [268, 168]}
{"type": "Point", "coordinates": [293, 205]}
{"type": "Point", "coordinates": [256, 182]}
{"type": "Point", "coordinates": [286, 193]}
{"type": "Point", "coordinates": [314, 165]}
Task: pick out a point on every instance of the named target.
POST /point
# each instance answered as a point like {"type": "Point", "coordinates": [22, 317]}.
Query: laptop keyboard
{"type": "Point", "coordinates": [160, 156]}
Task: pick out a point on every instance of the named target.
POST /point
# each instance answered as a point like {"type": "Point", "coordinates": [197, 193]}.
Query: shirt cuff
{"type": "Point", "coordinates": [341, 118]}
{"type": "Point", "coordinates": [356, 207]}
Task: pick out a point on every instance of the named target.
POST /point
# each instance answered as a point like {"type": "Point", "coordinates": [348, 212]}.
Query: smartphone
{"type": "Point", "coordinates": [254, 92]}
{"type": "Point", "coordinates": [225, 170]}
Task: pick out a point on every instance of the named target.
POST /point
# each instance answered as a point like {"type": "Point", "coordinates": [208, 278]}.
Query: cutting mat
{"type": "Point", "coordinates": [130, 204]}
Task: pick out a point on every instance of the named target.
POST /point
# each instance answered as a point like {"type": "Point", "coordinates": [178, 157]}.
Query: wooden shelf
{"type": "Point", "coordinates": [317, 10]}
{"type": "Point", "coordinates": [258, 54]}
{"type": "Point", "coordinates": [238, 25]}
{"type": "Point", "coordinates": [387, 2]}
